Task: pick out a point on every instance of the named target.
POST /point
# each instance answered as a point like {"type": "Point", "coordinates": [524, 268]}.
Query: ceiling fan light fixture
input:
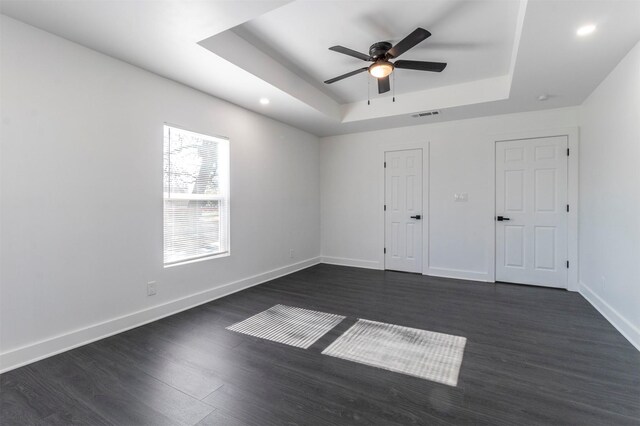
{"type": "Point", "coordinates": [381, 69]}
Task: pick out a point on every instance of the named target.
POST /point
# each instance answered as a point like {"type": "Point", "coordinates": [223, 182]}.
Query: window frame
{"type": "Point", "coordinates": [225, 196]}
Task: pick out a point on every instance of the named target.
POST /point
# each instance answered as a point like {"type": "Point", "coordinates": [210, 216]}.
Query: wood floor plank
{"type": "Point", "coordinates": [219, 418]}
{"type": "Point", "coordinates": [179, 407]}
{"type": "Point", "coordinates": [30, 398]}
{"type": "Point", "coordinates": [116, 403]}
{"type": "Point", "coordinates": [156, 358]}
{"type": "Point", "coordinates": [533, 356]}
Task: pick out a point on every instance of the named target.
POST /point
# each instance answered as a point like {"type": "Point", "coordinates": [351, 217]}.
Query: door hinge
{"type": "Point", "coordinates": [567, 208]}
{"type": "Point", "coordinates": [567, 152]}
{"type": "Point", "coordinates": [567, 264]}
{"type": "Point", "coordinates": [385, 164]}
{"type": "Point", "coordinates": [385, 250]}
{"type": "Point", "coordinates": [385, 207]}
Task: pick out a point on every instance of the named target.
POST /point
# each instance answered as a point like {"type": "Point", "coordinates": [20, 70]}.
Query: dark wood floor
{"type": "Point", "coordinates": [533, 356]}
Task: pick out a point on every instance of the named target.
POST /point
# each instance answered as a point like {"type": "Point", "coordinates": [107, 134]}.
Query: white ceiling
{"type": "Point", "coordinates": [461, 36]}
{"type": "Point", "coordinates": [502, 54]}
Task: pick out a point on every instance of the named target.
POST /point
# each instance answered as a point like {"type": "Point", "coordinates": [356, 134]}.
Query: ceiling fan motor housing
{"type": "Point", "coordinates": [379, 50]}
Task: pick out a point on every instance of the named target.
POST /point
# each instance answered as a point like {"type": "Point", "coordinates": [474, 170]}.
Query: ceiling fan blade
{"type": "Point", "coordinates": [349, 74]}
{"type": "Point", "coordinates": [383, 84]}
{"type": "Point", "coordinates": [408, 42]}
{"type": "Point", "coordinates": [350, 52]}
{"type": "Point", "coordinates": [420, 65]}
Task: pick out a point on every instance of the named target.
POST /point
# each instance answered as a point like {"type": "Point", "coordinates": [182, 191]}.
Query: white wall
{"type": "Point", "coordinates": [459, 157]}
{"type": "Point", "coordinates": [610, 197]}
{"type": "Point", "coordinates": [81, 197]}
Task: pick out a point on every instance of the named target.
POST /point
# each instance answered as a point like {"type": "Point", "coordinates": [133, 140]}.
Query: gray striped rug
{"type": "Point", "coordinates": [285, 324]}
{"type": "Point", "coordinates": [420, 353]}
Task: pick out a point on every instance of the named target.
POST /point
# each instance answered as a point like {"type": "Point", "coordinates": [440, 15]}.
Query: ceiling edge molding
{"type": "Point", "coordinates": [473, 92]}
{"type": "Point", "coordinates": [236, 50]}
{"type": "Point", "coordinates": [516, 40]}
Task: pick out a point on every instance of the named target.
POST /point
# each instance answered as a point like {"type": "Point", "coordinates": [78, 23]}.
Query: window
{"type": "Point", "coordinates": [196, 196]}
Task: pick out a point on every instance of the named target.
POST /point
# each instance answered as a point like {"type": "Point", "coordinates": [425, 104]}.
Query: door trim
{"type": "Point", "coordinates": [572, 195]}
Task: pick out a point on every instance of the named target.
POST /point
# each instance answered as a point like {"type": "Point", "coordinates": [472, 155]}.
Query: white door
{"type": "Point", "coordinates": [531, 211]}
{"type": "Point", "coordinates": [403, 210]}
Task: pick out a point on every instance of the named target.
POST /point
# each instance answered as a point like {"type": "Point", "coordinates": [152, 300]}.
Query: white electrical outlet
{"type": "Point", "coordinates": [461, 197]}
{"type": "Point", "coordinates": [292, 253]}
{"type": "Point", "coordinates": [151, 288]}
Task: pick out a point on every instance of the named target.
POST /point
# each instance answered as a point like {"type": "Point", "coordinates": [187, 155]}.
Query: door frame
{"type": "Point", "coordinates": [572, 194]}
{"type": "Point", "coordinates": [402, 146]}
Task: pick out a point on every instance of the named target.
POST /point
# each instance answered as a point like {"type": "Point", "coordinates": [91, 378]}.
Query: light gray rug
{"type": "Point", "coordinates": [420, 353]}
{"type": "Point", "coordinates": [289, 325]}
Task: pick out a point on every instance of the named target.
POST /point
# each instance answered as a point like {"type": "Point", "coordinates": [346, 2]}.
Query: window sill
{"type": "Point", "coordinates": [200, 259]}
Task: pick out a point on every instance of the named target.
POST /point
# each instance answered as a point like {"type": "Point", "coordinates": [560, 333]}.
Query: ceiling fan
{"type": "Point", "coordinates": [381, 54]}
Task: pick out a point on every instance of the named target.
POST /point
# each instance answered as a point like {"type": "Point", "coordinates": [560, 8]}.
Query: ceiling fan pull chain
{"type": "Point", "coordinates": [394, 87]}
{"type": "Point", "coordinates": [368, 90]}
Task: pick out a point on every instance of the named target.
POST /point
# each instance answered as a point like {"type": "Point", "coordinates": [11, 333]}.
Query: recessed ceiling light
{"type": "Point", "coordinates": [264, 101]}
{"type": "Point", "coordinates": [586, 30]}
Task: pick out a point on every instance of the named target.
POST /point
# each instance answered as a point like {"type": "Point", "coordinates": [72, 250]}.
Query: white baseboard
{"type": "Point", "coordinates": [45, 348]}
{"type": "Point", "coordinates": [459, 274]}
{"type": "Point", "coordinates": [624, 326]}
{"type": "Point", "coordinates": [357, 263]}
{"type": "Point", "coordinates": [436, 272]}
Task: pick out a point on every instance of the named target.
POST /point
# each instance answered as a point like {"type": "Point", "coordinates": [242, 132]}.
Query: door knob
{"type": "Point", "coordinates": [416, 217]}
{"type": "Point", "coordinates": [501, 218]}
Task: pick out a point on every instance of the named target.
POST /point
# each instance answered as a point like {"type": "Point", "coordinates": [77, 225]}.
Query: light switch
{"type": "Point", "coordinates": [461, 197]}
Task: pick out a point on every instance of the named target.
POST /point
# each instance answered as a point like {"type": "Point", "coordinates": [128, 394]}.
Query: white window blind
{"type": "Point", "coordinates": [196, 195]}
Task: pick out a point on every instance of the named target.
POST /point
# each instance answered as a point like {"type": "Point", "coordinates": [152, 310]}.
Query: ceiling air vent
{"type": "Point", "coordinates": [426, 114]}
